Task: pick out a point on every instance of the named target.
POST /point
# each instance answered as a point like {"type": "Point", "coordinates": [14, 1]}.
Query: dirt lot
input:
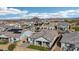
{"type": "Point", "coordinates": [20, 48]}
{"type": "Point", "coordinates": [23, 49]}
{"type": "Point", "coordinates": [4, 46]}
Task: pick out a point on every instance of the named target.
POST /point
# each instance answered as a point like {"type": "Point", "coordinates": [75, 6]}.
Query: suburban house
{"type": "Point", "coordinates": [24, 35]}
{"type": "Point", "coordinates": [48, 26]}
{"type": "Point", "coordinates": [3, 27]}
{"type": "Point", "coordinates": [10, 33]}
{"type": "Point", "coordinates": [43, 38]}
{"type": "Point", "coordinates": [70, 41]}
{"type": "Point", "coordinates": [9, 36]}
{"type": "Point", "coordinates": [63, 26]}
{"type": "Point", "coordinates": [3, 39]}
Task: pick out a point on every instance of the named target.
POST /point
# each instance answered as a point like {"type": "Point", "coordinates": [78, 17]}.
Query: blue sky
{"type": "Point", "coordinates": [41, 12]}
{"type": "Point", "coordinates": [46, 9]}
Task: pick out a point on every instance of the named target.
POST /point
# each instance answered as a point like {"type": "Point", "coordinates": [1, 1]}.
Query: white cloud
{"type": "Point", "coordinates": [43, 15]}
{"type": "Point", "coordinates": [69, 12]}
{"type": "Point", "coordinates": [5, 11]}
{"type": "Point", "coordinates": [60, 14]}
{"type": "Point", "coordinates": [26, 14]}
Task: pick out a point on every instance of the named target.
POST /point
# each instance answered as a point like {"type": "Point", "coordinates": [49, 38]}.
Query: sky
{"type": "Point", "coordinates": [41, 12]}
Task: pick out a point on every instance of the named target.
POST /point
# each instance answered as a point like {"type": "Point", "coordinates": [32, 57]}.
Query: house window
{"type": "Point", "coordinates": [14, 39]}
{"type": "Point", "coordinates": [47, 43]}
{"type": "Point", "coordinates": [67, 47]}
{"type": "Point", "coordinates": [39, 42]}
{"type": "Point", "coordinates": [31, 39]}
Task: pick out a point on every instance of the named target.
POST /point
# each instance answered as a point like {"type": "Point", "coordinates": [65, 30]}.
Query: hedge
{"type": "Point", "coordinates": [11, 47]}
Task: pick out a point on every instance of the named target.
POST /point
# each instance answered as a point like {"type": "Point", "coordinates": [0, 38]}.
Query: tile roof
{"type": "Point", "coordinates": [47, 34]}
{"type": "Point", "coordinates": [26, 33]}
{"type": "Point", "coordinates": [10, 34]}
{"type": "Point", "coordinates": [16, 35]}
{"type": "Point", "coordinates": [72, 38]}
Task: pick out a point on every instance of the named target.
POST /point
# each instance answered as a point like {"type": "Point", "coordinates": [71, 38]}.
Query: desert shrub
{"type": "Point", "coordinates": [11, 47]}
